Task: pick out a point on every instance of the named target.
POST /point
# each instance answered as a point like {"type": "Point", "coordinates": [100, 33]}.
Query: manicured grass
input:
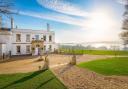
{"type": "Point", "coordinates": [110, 66]}
{"type": "Point", "coordinates": [94, 52]}
{"type": "Point", "coordinates": [34, 80]}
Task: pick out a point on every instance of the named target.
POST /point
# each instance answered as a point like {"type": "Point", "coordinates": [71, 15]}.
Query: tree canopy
{"type": "Point", "coordinates": [124, 34]}
{"type": "Point", "coordinates": [6, 6]}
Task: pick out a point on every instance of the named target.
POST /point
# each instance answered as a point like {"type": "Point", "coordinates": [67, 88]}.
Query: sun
{"type": "Point", "coordinates": [100, 20]}
{"type": "Point", "coordinates": [100, 24]}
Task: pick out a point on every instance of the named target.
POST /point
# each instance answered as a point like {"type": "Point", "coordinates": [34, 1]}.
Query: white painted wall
{"type": "Point", "coordinates": [5, 38]}
{"type": "Point", "coordinates": [23, 49]}
{"type": "Point", "coordinates": [3, 49]}
{"type": "Point", "coordinates": [32, 33]}
{"type": "Point", "coordinates": [9, 38]}
{"type": "Point", "coordinates": [0, 49]}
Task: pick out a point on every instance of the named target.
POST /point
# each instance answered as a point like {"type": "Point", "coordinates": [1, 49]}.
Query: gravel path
{"type": "Point", "coordinates": [78, 78]}
{"type": "Point", "coordinates": [23, 64]}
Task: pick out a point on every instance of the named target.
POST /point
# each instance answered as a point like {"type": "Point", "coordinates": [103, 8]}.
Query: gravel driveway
{"type": "Point", "coordinates": [78, 78]}
{"type": "Point", "coordinates": [22, 64]}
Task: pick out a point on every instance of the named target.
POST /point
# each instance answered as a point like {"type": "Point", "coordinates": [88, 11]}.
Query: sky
{"type": "Point", "coordinates": [72, 20]}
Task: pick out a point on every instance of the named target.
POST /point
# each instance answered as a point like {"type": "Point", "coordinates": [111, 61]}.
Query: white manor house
{"type": "Point", "coordinates": [16, 41]}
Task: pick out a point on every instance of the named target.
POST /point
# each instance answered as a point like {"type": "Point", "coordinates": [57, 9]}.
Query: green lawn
{"type": "Point", "coordinates": [94, 52]}
{"type": "Point", "coordinates": [34, 80]}
{"type": "Point", "coordinates": [110, 66]}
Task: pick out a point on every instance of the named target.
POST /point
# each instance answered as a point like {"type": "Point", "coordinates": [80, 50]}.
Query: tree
{"type": "Point", "coordinates": [6, 7]}
{"type": "Point", "coordinates": [6, 10]}
{"type": "Point", "coordinates": [124, 34]}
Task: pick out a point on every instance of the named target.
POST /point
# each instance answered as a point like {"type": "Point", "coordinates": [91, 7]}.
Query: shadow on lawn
{"type": "Point", "coordinates": [26, 78]}
{"type": "Point", "coordinates": [45, 82]}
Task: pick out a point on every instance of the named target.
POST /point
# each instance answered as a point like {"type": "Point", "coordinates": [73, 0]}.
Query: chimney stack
{"type": "Point", "coordinates": [12, 23]}
{"type": "Point", "coordinates": [48, 27]}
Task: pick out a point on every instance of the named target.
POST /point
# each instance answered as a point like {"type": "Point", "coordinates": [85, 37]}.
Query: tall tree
{"type": "Point", "coordinates": [124, 34]}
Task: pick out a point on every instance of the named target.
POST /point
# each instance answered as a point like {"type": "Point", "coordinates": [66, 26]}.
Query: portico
{"type": "Point", "coordinates": [37, 47]}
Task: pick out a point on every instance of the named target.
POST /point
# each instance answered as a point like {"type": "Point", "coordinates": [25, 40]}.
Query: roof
{"type": "Point", "coordinates": [5, 29]}
{"type": "Point", "coordinates": [32, 31]}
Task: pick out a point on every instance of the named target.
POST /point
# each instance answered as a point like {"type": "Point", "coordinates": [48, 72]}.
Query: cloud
{"type": "Point", "coordinates": [99, 26]}
{"type": "Point", "coordinates": [63, 7]}
{"type": "Point", "coordinates": [97, 20]}
{"type": "Point", "coordinates": [55, 17]}
{"type": "Point", "coordinates": [124, 2]}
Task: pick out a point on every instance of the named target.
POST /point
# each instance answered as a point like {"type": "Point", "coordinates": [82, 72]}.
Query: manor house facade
{"type": "Point", "coordinates": [16, 41]}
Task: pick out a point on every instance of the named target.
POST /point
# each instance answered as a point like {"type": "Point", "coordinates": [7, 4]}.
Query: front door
{"type": "Point", "coordinates": [36, 51]}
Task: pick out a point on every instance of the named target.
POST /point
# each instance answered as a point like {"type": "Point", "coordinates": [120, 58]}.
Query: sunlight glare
{"type": "Point", "coordinates": [100, 23]}
{"type": "Point", "coordinates": [100, 20]}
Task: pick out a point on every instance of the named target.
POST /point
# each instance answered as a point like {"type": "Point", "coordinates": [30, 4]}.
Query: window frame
{"type": "Point", "coordinates": [28, 36]}
{"type": "Point", "coordinates": [18, 37]}
{"type": "Point", "coordinates": [37, 37]}
{"type": "Point", "coordinates": [28, 46]}
{"type": "Point", "coordinates": [44, 47]}
{"type": "Point", "coordinates": [50, 47]}
{"type": "Point", "coordinates": [18, 50]}
{"type": "Point", "coordinates": [50, 38]}
{"type": "Point", "coordinates": [44, 37]}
